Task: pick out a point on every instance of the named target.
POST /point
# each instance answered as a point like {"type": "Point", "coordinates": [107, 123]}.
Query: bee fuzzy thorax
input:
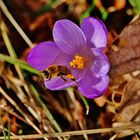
{"type": "Point", "coordinates": [57, 71]}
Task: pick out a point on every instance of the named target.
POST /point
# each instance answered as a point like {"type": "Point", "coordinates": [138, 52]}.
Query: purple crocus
{"type": "Point", "coordinates": [81, 51]}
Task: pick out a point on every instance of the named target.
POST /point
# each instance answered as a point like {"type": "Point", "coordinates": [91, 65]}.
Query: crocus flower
{"type": "Point", "coordinates": [80, 50]}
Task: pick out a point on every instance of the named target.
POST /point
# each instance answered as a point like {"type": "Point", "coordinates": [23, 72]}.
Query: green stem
{"type": "Point", "coordinates": [3, 129]}
{"type": "Point", "coordinates": [48, 113]}
{"type": "Point", "coordinates": [22, 64]}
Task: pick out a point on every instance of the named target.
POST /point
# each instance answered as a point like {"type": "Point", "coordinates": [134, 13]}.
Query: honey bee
{"type": "Point", "coordinates": [57, 71]}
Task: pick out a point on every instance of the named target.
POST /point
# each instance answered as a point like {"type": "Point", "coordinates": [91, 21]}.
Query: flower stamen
{"type": "Point", "coordinates": [78, 62]}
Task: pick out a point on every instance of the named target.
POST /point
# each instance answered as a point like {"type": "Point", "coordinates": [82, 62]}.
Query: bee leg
{"type": "Point", "coordinates": [73, 79]}
{"type": "Point", "coordinates": [63, 78]}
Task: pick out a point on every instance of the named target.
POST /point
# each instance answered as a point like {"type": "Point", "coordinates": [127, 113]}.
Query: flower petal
{"type": "Point", "coordinates": [101, 64]}
{"type": "Point", "coordinates": [92, 87]}
{"type": "Point", "coordinates": [78, 74]}
{"type": "Point", "coordinates": [63, 59]}
{"type": "Point", "coordinates": [102, 85]}
{"type": "Point", "coordinates": [68, 36]}
{"type": "Point", "coordinates": [95, 32]}
{"type": "Point", "coordinates": [43, 55]}
{"type": "Point", "coordinates": [58, 83]}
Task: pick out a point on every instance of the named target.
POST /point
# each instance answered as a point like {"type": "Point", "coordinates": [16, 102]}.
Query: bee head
{"type": "Point", "coordinates": [45, 74]}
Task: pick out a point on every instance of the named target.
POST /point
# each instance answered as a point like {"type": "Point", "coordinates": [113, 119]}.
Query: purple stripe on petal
{"type": "Point", "coordinates": [100, 66]}
{"type": "Point", "coordinates": [58, 83]}
{"type": "Point", "coordinates": [43, 55]}
{"type": "Point", "coordinates": [102, 85]}
{"type": "Point", "coordinates": [92, 87]}
{"type": "Point", "coordinates": [68, 36]}
{"type": "Point", "coordinates": [95, 32]}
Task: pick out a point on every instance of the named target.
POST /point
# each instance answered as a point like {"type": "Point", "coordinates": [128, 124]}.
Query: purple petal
{"type": "Point", "coordinates": [63, 59]}
{"type": "Point", "coordinates": [95, 32]}
{"type": "Point", "coordinates": [68, 36]}
{"type": "Point", "coordinates": [43, 55]}
{"type": "Point", "coordinates": [78, 74]}
{"type": "Point", "coordinates": [92, 87]}
{"type": "Point", "coordinates": [58, 83]}
{"type": "Point", "coordinates": [102, 85]}
{"type": "Point", "coordinates": [101, 64]}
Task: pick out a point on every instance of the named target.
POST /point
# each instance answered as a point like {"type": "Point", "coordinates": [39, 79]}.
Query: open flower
{"type": "Point", "coordinates": [80, 50]}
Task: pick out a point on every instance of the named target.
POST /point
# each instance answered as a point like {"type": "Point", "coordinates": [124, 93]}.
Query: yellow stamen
{"type": "Point", "coordinates": [78, 62]}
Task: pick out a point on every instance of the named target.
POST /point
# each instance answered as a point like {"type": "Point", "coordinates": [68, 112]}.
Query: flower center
{"type": "Point", "coordinates": [78, 62]}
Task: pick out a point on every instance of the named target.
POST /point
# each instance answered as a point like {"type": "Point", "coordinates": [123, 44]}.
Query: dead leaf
{"type": "Point", "coordinates": [105, 120]}
{"type": "Point", "coordinates": [130, 103]}
{"type": "Point", "coordinates": [125, 68]}
{"type": "Point", "coordinates": [35, 4]}
{"type": "Point", "coordinates": [100, 101]}
{"type": "Point", "coordinates": [127, 58]}
{"type": "Point", "coordinates": [14, 125]}
{"type": "Point", "coordinates": [119, 4]}
{"type": "Point", "coordinates": [125, 53]}
{"type": "Point", "coordinates": [125, 133]}
{"type": "Point", "coordinates": [43, 20]}
{"type": "Point", "coordinates": [4, 118]}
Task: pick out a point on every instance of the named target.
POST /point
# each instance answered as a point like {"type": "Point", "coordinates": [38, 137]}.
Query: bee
{"type": "Point", "coordinates": [57, 71]}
